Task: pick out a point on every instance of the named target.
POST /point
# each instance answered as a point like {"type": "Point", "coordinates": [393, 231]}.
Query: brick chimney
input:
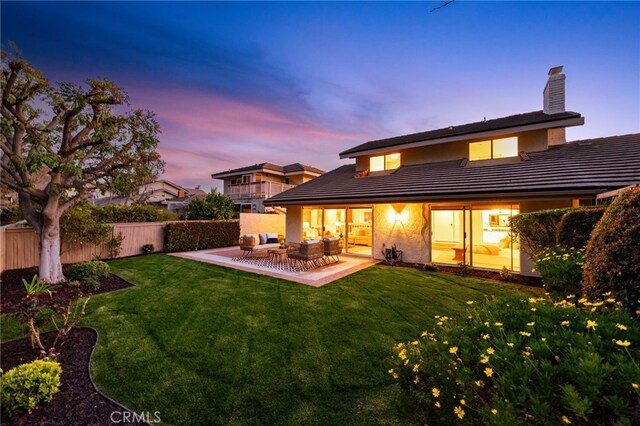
{"type": "Point", "coordinates": [553, 93]}
{"type": "Point", "coordinates": [553, 102]}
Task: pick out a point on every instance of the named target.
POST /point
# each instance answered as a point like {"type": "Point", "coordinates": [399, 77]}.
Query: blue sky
{"type": "Point", "coordinates": [241, 83]}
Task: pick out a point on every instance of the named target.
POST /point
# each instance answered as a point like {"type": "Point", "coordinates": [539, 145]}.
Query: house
{"type": "Point", "coordinates": [447, 195]}
{"type": "Point", "coordinates": [179, 205]}
{"type": "Point", "coordinates": [163, 193]}
{"type": "Point", "coordinates": [249, 186]}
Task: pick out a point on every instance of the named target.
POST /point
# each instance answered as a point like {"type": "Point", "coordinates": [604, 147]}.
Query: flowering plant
{"type": "Point", "coordinates": [516, 360]}
{"type": "Point", "coordinates": [561, 270]}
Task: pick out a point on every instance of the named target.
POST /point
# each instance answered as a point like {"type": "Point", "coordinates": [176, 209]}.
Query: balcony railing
{"type": "Point", "coordinates": [263, 190]}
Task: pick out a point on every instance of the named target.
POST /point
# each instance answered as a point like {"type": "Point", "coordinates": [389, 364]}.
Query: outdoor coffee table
{"type": "Point", "coordinates": [277, 257]}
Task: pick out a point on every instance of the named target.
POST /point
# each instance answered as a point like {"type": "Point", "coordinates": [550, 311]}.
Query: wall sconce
{"type": "Point", "coordinates": [398, 217]}
{"type": "Point", "coordinates": [397, 214]}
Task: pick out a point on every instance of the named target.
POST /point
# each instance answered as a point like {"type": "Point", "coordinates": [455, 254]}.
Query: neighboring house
{"type": "Point", "coordinates": [446, 195]}
{"type": "Point", "coordinates": [249, 186]}
{"type": "Point", "coordinates": [162, 193]}
{"type": "Point", "coordinates": [179, 205]}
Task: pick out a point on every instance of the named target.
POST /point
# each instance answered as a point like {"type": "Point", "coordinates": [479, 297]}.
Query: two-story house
{"type": "Point", "coordinates": [249, 186]}
{"type": "Point", "coordinates": [447, 195]}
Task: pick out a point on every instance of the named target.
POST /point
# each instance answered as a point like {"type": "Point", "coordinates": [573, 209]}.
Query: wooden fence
{"type": "Point", "coordinates": [19, 246]}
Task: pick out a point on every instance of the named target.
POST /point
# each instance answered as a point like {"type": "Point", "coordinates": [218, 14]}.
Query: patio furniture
{"type": "Point", "coordinates": [277, 258]}
{"type": "Point", "coordinates": [311, 253]}
{"type": "Point", "coordinates": [332, 249]}
{"type": "Point", "coordinates": [252, 243]}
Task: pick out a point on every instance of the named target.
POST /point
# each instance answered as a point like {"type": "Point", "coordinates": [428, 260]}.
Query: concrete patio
{"type": "Point", "coordinates": [316, 277]}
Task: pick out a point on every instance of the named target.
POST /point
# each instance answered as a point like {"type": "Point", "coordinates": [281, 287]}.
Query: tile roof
{"type": "Point", "coordinates": [529, 118]}
{"type": "Point", "coordinates": [295, 167]}
{"type": "Point", "coordinates": [587, 166]}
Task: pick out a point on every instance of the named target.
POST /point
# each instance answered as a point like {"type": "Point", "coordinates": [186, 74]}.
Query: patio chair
{"type": "Point", "coordinates": [332, 249]}
{"type": "Point", "coordinates": [311, 253]}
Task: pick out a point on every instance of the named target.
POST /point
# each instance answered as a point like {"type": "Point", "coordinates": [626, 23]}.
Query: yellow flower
{"type": "Point", "coordinates": [510, 344]}
{"type": "Point", "coordinates": [424, 334]}
{"type": "Point", "coordinates": [533, 309]}
{"type": "Point", "coordinates": [571, 296]}
{"type": "Point", "coordinates": [445, 342]}
{"type": "Point", "coordinates": [416, 367]}
{"type": "Point", "coordinates": [435, 392]}
{"type": "Point", "coordinates": [490, 351]}
{"type": "Point", "coordinates": [391, 371]}
{"type": "Point", "coordinates": [479, 383]}
{"type": "Point", "coordinates": [484, 359]}
{"type": "Point", "coordinates": [531, 324]}
{"type": "Point", "coordinates": [485, 336]}
{"type": "Point", "coordinates": [621, 327]}
{"type": "Point", "coordinates": [395, 375]}
{"type": "Point", "coordinates": [470, 302]}
{"type": "Point", "coordinates": [437, 404]}
{"type": "Point", "coordinates": [532, 300]}
{"type": "Point", "coordinates": [606, 294]}
{"type": "Point", "coordinates": [566, 420]}
{"type": "Point", "coordinates": [462, 402]}
{"type": "Point", "coordinates": [453, 349]}
{"type": "Point", "coordinates": [439, 323]}
{"type": "Point", "coordinates": [494, 411]}
{"type": "Point", "coordinates": [459, 412]}
{"type": "Point", "coordinates": [526, 353]}
{"type": "Point", "coordinates": [498, 324]}
{"type": "Point", "coordinates": [524, 333]}
{"type": "Point", "coordinates": [623, 343]}
{"type": "Point", "coordinates": [415, 343]}
{"type": "Point", "coordinates": [488, 372]}
{"type": "Point", "coordinates": [437, 316]}
{"type": "Point", "coordinates": [416, 380]}
{"type": "Point", "coordinates": [565, 323]}
{"type": "Point", "coordinates": [610, 300]}
{"type": "Point", "coordinates": [634, 385]}
{"type": "Point", "coordinates": [591, 324]}
{"type": "Point", "coordinates": [543, 339]}
{"type": "Point", "coordinates": [402, 354]}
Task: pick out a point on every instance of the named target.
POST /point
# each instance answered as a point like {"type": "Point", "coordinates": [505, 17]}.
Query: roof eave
{"type": "Point", "coordinates": [567, 122]}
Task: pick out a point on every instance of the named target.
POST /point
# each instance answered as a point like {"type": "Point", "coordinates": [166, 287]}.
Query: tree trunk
{"type": "Point", "coordinates": [50, 263]}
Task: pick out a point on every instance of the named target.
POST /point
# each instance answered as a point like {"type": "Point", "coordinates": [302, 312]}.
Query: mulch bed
{"type": "Point", "coordinates": [12, 290]}
{"type": "Point", "coordinates": [478, 273]}
{"type": "Point", "coordinates": [78, 401]}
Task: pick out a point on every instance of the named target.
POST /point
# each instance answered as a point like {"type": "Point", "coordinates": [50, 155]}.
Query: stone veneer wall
{"type": "Point", "coordinates": [410, 234]}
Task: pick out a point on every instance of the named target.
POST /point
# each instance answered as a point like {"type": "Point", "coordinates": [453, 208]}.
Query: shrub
{"type": "Point", "coordinates": [561, 271]}
{"type": "Point", "coordinates": [147, 249]}
{"type": "Point", "coordinates": [212, 207]}
{"type": "Point", "coordinates": [27, 385]}
{"type": "Point", "coordinates": [517, 361]}
{"type": "Point", "coordinates": [431, 266]}
{"type": "Point", "coordinates": [537, 230]}
{"type": "Point", "coordinates": [575, 227]}
{"type": "Point", "coordinates": [613, 254]}
{"type": "Point", "coordinates": [88, 273]}
{"type": "Point", "coordinates": [134, 213]}
{"type": "Point", "coordinates": [189, 236]}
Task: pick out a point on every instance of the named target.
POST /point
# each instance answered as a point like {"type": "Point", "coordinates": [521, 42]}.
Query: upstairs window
{"type": "Point", "coordinates": [496, 148]}
{"type": "Point", "coordinates": [384, 162]}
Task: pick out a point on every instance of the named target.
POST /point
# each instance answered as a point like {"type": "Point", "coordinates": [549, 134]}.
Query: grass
{"type": "Point", "coordinates": [202, 344]}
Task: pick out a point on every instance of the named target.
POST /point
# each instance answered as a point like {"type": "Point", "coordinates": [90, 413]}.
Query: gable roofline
{"type": "Point", "coordinates": [290, 169]}
{"type": "Point", "coordinates": [534, 120]}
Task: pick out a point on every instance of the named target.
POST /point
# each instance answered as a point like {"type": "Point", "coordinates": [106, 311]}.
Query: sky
{"type": "Point", "coordinates": [239, 83]}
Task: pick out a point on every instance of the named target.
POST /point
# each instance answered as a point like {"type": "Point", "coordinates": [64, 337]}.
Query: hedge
{"type": "Point", "coordinates": [134, 213]}
{"type": "Point", "coordinates": [612, 259]}
{"type": "Point", "coordinates": [574, 229]}
{"type": "Point", "coordinates": [189, 236]}
{"type": "Point", "coordinates": [537, 230]}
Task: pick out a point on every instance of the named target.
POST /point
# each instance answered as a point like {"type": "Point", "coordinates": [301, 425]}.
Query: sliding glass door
{"type": "Point", "coordinates": [352, 225]}
{"type": "Point", "coordinates": [474, 235]}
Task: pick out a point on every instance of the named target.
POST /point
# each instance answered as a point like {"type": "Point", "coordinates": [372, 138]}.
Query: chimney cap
{"type": "Point", "coordinates": [556, 70]}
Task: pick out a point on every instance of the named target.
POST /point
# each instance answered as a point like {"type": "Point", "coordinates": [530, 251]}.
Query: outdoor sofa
{"type": "Point", "coordinates": [251, 243]}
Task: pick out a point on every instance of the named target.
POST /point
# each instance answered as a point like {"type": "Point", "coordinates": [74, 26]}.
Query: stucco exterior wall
{"type": "Point", "coordinates": [255, 223]}
{"type": "Point", "coordinates": [532, 141]}
{"type": "Point", "coordinates": [294, 224]}
{"type": "Point", "coordinates": [410, 233]}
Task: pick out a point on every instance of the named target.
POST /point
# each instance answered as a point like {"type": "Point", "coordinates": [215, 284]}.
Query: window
{"type": "Point", "coordinates": [384, 162]}
{"type": "Point", "coordinates": [496, 148]}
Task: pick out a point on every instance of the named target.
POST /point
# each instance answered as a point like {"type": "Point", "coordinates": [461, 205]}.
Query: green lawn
{"type": "Point", "coordinates": [203, 344]}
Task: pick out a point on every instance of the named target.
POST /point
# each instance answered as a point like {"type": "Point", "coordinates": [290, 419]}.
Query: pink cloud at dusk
{"type": "Point", "coordinates": [206, 133]}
